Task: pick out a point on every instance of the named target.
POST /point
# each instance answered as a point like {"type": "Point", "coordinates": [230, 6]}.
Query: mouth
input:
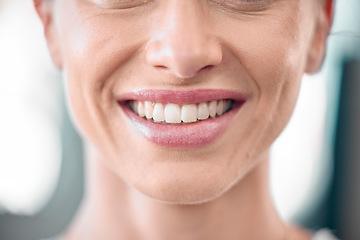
{"type": "Point", "coordinates": [181, 118]}
{"type": "Point", "coordinates": [172, 113]}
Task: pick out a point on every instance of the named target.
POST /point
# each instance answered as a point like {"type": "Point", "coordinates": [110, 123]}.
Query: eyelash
{"type": "Point", "coordinates": [235, 5]}
{"type": "Point", "coordinates": [243, 5]}
{"type": "Point", "coordinates": [121, 4]}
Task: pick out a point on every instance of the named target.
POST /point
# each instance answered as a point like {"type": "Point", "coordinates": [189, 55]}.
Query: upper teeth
{"type": "Point", "coordinates": [174, 113]}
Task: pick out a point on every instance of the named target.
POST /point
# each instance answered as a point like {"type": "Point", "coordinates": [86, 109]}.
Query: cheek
{"type": "Point", "coordinates": [277, 74]}
{"type": "Point", "coordinates": [273, 57]}
{"type": "Point", "coordinates": [93, 47]}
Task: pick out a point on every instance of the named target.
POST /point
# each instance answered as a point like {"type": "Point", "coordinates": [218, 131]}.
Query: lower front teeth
{"type": "Point", "coordinates": [175, 114]}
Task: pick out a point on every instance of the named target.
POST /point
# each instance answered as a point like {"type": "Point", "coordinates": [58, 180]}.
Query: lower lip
{"type": "Point", "coordinates": [185, 135]}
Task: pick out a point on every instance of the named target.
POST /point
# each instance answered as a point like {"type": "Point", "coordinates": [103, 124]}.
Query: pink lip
{"type": "Point", "coordinates": [182, 97]}
{"type": "Point", "coordinates": [183, 135]}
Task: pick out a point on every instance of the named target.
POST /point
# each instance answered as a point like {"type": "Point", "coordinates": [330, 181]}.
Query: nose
{"type": "Point", "coordinates": [183, 43]}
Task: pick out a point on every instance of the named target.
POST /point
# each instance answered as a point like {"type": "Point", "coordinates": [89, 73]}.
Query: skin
{"type": "Point", "coordinates": [139, 190]}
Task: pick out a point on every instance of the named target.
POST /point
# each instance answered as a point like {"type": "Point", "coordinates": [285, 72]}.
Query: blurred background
{"type": "Point", "coordinates": [315, 166]}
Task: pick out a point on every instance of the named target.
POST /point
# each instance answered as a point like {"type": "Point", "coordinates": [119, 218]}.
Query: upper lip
{"type": "Point", "coordinates": [182, 96]}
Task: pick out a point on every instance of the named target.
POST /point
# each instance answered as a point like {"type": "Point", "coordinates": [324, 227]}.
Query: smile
{"type": "Point", "coordinates": [182, 119]}
{"type": "Point", "coordinates": [171, 113]}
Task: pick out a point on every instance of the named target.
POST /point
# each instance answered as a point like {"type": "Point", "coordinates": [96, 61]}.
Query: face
{"type": "Point", "coordinates": [183, 59]}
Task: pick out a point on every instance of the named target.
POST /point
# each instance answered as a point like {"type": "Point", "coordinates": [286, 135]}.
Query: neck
{"type": "Point", "coordinates": [114, 210]}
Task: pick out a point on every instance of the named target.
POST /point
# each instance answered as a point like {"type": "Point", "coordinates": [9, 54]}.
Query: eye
{"type": "Point", "coordinates": [243, 1]}
{"type": "Point", "coordinates": [120, 4]}
{"type": "Point", "coordinates": [243, 5]}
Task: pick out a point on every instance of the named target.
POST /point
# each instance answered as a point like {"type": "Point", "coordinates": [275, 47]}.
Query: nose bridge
{"type": "Point", "coordinates": [184, 45]}
{"type": "Point", "coordinates": [185, 24]}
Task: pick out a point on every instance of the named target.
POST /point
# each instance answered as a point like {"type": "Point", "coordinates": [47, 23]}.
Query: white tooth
{"type": "Point", "coordinates": [158, 114]}
{"type": "Point", "coordinates": [189, 113]}
{"type": "Point", "coordinates": [172, 113]}
{"type": "Point", "coordinates": [203, 111]}
{"type": "Point", "coordinates": [141, 109]}
{"type": "Point", "coordinates": [212, 108]}
{"type": "Point", "coordinates": [149, 108]}
{"type": "Point", "coordinates": [220, 108]}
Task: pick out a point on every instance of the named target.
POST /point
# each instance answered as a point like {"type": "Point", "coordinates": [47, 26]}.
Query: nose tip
{"type": "Point", "coordinates": [183, 58]}
{"type": "Point", "coordinates": [184, 42]}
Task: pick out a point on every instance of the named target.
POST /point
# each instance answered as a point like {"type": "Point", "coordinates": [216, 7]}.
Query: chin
{"type": "Point", "coordinates": [183, 193]}
{"type": "Point", "coordinates": [186, 177]}
{"type": "Point", "coordinates": [186, 186]}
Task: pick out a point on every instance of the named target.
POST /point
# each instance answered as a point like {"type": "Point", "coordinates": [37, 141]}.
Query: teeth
{"type": "Point", "coordinates": [189, 113]}
{"type": "Point", "coordinates": [203, 111]}
{"type": "Point", "coordinates": [212, 108]}
{"type": "Point", "coordinates": [141, 109]}
{"type": "Point", "coordinates": [220, 108]}
{"type": "Point", "coordinates": [158, 114]}
{"type": "Point", "coordinates": [228, 105]}
{"type": "Point", "coordinates": [174, 114]}
{"type": "Point", "coordinates": [149, 109]}
{"type": "Point", "coordinates": [133, 106]}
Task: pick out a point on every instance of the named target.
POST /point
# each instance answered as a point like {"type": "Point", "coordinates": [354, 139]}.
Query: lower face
{"type": "Point", "coordinates": [158, 131]}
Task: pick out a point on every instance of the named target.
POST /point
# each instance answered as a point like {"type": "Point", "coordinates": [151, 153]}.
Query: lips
{"type": "Point", "coordinates": [181, 118]}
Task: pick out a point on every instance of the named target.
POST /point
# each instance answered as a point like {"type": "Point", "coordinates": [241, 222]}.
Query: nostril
{"type": "Point", "coordinates": [188, 72]}
{"type": "Point", "coordinates": [183, 58]}
{"type": "Point", "coordinates": [160, 67]}
{"type": "Point", "coordinates": [206, 68]}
